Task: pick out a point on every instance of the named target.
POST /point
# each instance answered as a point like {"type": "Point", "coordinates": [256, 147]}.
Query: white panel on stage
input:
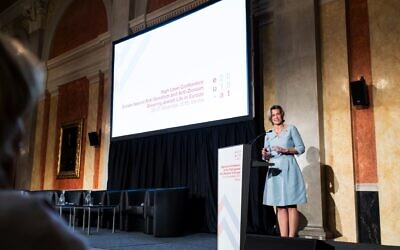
{"type": "Point", "coordinates": [232, 179]}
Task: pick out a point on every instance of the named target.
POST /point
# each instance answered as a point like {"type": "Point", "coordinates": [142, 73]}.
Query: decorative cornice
{"type": "Point", "coordinates": [83, 49]}
{"type": "Point", "coordinates": [34, 15]}
{"type": "Point", "coordinates": [53, 91]}
{"type": "Point", "coordinates": [95, 77]}
{"type": "Point", "coordinates": [138, 24]}
{"type": "Point", "coordinates": [14, 11]}
{"type": "Point", "coordinates": [83, 61]}
{"type": "Point", "coordinates": [163, 14]}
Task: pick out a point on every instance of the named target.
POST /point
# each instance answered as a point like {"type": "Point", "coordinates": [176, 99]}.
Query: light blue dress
{"type": "Point", "coordinates": [284, 184]}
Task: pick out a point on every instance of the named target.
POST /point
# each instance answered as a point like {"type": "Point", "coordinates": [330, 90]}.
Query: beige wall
{"type": "Point", "coordinates": [91, 126]}
{"type": "Point", "coordinates": [385, 58]}
{"type": "Point", "coordinates": [341, 217]}
{"type": "Point", "coordinates": [36, 178]}
{"type": "Point", "coordinates": [337, 140]}
{"type": "Point", "coordinates": [384, 19]}
{"type": "Point", "coordinates": [267, 71]}
{"type": "Point", "coordinates": [336, 145]}
{"type": "Point", "coordinates": [50, 168]}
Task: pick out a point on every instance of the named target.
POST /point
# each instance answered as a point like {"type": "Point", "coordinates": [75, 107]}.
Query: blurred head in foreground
{"type": "Point", "coordinates": [21, 83]}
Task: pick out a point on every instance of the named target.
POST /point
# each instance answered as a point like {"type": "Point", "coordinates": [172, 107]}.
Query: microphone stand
{"type": "Point", "coordinates": [259, 163]}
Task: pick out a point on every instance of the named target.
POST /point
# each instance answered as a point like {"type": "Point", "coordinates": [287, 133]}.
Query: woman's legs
{"type": "Point", "coordinates": [283, 221]}
{"type": "Point", "coordinates": [288, 220]}
{"type": "Point", "coordinates": [293, 220]}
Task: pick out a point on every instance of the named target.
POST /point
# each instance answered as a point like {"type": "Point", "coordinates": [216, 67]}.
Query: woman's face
{"type": "Point", "coordinates": [276, 117]}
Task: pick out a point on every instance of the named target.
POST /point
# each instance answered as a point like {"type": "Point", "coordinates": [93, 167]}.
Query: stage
{"type": "Point", "coordinates": [122, 240]}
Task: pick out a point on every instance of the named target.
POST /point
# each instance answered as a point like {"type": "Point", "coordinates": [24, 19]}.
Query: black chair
{"type": "Point", "coordinates": [47, 195]}
{"type": "Point", "coordinates": [148, 211]}
{"type": "Point", "coordinates": [114, 198]}
{"type": "Point", "coordinates": [73, 197]}
{"type": "Point", "coordinates": [133, 210]}
{"type": "Point", "coordinates": [98, 197]}
{"type": "Point", "coordinates": [165, 211]}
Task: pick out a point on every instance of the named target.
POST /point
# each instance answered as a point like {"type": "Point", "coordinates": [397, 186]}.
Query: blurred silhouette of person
{"type": "Point", "coordinates": [284, 186]}
{"type": "Point", "coordinates": [25, 222]}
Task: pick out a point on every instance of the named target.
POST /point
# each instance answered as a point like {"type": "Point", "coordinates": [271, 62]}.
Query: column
{"type": "Point", "coordinates": [298, 91]}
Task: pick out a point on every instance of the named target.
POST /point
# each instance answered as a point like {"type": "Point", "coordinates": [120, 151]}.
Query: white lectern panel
{"type": "Point", "coordinates": [230, 183]}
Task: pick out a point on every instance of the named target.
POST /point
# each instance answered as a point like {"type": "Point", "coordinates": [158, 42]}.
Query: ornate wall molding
{"type": "Point", "coordinates": [34, 15]}
{"type": "Point", "coordinates": [83, 61]}
{"type": "Point", "coordinates": [163, 14]}
{"type": "Point", "coordinates": [13, 12]}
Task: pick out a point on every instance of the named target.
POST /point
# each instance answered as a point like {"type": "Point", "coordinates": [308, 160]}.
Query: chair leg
{"type": "Point", "coordinates": [98, 219]}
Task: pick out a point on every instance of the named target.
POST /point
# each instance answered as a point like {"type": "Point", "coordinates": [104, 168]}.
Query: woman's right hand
{"type": "Point", "coordinates": [265, 154]}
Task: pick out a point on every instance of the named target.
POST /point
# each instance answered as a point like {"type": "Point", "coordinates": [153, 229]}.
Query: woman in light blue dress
{"type": "Point", "coordinates": [284, 186]}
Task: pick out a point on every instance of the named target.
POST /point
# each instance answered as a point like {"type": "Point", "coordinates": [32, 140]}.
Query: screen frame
{"type": "Point", "coordinates": [250, 77]}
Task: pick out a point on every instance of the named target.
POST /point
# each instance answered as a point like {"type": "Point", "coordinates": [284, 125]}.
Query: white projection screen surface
{"type": "Point", "coordinates": [191, 72]}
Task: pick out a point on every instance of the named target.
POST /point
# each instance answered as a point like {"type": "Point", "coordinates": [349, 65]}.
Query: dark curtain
{"type": "Point", "coordinates": [189, 159]}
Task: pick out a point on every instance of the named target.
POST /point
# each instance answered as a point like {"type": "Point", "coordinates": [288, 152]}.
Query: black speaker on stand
{"type": "Point", "coordinates": [94, 139]}
{"type": "Point", "coordinates": [359, 93]}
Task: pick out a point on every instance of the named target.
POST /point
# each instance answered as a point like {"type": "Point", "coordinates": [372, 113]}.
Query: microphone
{"type": "Point", "coordinates": [252, 141]}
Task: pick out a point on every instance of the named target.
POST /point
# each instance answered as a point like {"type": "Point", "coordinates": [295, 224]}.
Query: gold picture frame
{"type": "Point", "coordinates": [69, 150]}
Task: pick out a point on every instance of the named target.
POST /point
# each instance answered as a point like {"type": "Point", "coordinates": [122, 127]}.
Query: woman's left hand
{"type": "Point", "coordinates": [280, 149]}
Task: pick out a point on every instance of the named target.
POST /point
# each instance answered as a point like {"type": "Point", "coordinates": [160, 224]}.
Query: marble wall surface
{"type": "Point", "coordinates": [336, 138]}
{"type": "Point", "coordinates": [337, 155]}
{"type": "Point", "coordinates": [37, 173]}
{"type": "Point", "coordinates": [385, 59]}
{"type": "Point", "coordinates": [267, 71]}
{"type": "Point", "coordinates": [336, 146]}
{"type": "Point", "coordinates": [50, 168]}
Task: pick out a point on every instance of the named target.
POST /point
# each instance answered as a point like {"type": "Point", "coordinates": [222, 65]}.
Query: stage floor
{"type": "Point", "coordinates": [122, 240]}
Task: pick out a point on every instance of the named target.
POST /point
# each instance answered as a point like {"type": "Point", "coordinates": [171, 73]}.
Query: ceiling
{"type": "Point", "coordinates": [4, 4]}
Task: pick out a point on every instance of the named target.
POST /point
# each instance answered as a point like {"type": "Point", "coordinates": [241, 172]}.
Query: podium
{"type": "Point", "coordinates": [234, 164]}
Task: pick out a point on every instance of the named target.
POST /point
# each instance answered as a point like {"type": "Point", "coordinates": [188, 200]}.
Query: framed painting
{"type": "Point", "coordinates": [69, 154]}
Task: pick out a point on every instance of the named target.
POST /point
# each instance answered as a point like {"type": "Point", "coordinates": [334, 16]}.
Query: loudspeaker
{"type": "Point", "coordinates": [255, 242]}
{"type": "Point", "coordinates": [94, 139]}
{"type": "Point", "coordinates": [359, 93]}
